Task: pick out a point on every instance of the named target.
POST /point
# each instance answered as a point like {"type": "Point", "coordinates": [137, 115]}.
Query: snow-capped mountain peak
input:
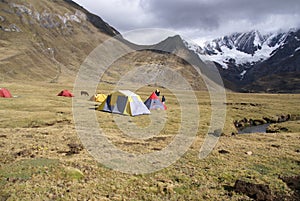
{"type": "Point", "coordinates": [240, 48]}
{"type": "Point", "coordinates": [243, 58]}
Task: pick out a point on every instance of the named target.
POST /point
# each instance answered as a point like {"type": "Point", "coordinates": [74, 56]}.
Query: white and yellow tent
{"type": "Point", "coordinates": [98, 98]}
{"type": "Point", "coordinates": [124, 102]}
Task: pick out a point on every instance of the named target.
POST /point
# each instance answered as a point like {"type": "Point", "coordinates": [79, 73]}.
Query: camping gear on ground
{"type": "Point", "coordinates": [4, 93]}
{"type": "Point", "coordinates": [153, 103]}
{"type": "Point", "coordinates": [124, 102]}
{"type": "Point", "coordinates": [65, 93]}
{"type": "Point", "coordinates": [98, 98]}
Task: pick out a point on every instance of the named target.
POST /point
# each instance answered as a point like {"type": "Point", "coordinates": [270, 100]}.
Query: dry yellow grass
{"type": "Point", "coordinates": [37, 126]}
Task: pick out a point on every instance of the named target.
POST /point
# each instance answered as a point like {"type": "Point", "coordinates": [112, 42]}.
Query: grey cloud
{"type": "Point", "coordinates": [198, 18]}
{"type": "Point", "coordinates": [213, 14]}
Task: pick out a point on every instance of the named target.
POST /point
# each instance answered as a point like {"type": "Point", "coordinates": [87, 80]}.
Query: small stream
{"type": "Point", "coordinates": [254, 129]}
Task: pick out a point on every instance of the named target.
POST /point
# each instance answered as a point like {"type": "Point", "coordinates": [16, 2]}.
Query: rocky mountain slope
{"type": "Point", "coordinates": [47, 40]}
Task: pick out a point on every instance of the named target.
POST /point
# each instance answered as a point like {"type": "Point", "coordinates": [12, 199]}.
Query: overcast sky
{"type": "Point", "coordinates": [198, 20]}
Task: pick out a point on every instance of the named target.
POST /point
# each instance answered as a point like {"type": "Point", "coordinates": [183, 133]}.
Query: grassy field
{"type": "Point", "coordinates": [42, 158]}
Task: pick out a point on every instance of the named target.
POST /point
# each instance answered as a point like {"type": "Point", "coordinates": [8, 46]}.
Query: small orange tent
{"type": "Point", "coordinates": [65, 93]}
{"type": "Point", "coordinates": [5, 93]}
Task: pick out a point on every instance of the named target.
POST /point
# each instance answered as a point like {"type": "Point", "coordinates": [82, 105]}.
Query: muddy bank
{"type": "Point", "coordinates": [264, 124]}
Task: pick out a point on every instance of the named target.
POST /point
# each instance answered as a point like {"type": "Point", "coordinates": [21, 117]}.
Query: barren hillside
{"type": "Point", "coordinates": [46, 40]}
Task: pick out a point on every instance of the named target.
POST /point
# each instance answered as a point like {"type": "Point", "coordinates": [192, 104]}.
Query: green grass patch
{"type": "Point", "coordinates": [261, 169]}
{"type": "Point", "coordinates": [24, 169]}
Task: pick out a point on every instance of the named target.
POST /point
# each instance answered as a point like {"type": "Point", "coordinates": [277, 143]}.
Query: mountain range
{"type": "Point", "coordinates": [253, 61]}
{"type": "Point", "coordinates": [48, 40]}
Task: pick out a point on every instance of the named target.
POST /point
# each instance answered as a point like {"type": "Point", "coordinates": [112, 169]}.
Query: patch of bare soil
{"type": "Point", "coordinates": [256, 191]}
{"type": "Point", "coordinates": [263, 192]}
{"type": "Point", "coordinates": [293, 183]}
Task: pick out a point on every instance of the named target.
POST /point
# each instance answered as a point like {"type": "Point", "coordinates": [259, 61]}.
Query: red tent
{"type": "Point", "coordinates": [65, 93]}
{"type": "Point", "coordinates": [5, 93]}
{"type": "Point", "coordinates": [154, 103]}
